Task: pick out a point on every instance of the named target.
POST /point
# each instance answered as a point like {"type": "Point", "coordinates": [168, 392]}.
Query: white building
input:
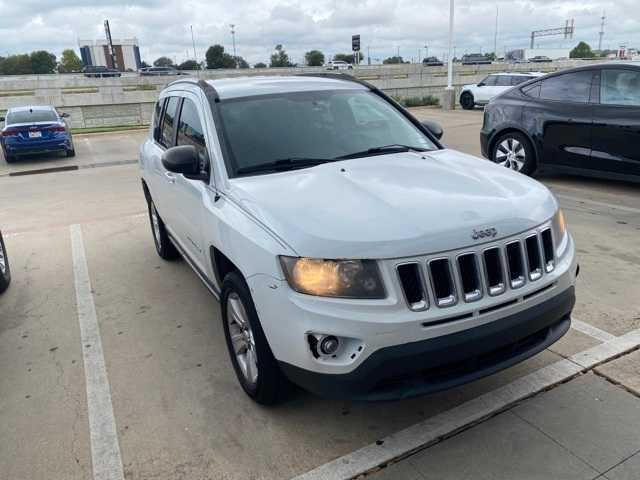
{"type": "Point", "coordinates": [126, 52]}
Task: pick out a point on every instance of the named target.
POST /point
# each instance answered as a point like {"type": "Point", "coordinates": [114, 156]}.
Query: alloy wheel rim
{"type": "Point", "coordinates": [155, 223]}
{"type": "Point", "coordinates": [3, 260]}
{"type": "Point", "coordinates": [511, 154]}
{"type": "Point", "coordinates": [242, 340]}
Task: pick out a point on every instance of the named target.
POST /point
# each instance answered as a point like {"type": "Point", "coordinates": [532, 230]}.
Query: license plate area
{"type": "Point", "coordinates": [35, 134]}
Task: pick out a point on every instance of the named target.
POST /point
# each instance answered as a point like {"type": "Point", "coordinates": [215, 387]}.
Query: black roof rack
{"type": "Point", "coordinates": [340, 76]}
{"type": "Point", "coordinates": [207, 88]}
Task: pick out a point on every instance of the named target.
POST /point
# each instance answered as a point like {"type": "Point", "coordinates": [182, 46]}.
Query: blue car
{"type": "Point", "coordinates": [35, 129]}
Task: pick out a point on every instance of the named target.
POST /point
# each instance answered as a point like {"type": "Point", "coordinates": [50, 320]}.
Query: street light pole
{"type": "Point", "coordinates": [450, 66]}
{"type": "Point", "coordinates": [193, 40]}
{"type": "Point", "coordinates": [233, 39]}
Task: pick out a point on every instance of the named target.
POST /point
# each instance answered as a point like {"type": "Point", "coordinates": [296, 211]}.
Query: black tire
{"type": "Point", "coordinates": [71, 153]}
{"type": "Point", "coordinates": [5, 276]}
{"type": "Point", "coordinates": [271, 386]}
{"type": "Point", "coordinates": [164, 246]}
{"type": "Point", "coordinates": [467, 101]}
{"type": "Point", "coordinates": [529, 162]}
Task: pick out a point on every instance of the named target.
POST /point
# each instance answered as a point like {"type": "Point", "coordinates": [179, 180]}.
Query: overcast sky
{"type": "Point", "coordinates": [162, 27]}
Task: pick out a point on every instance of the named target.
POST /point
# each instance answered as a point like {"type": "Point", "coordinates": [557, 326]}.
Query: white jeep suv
{"type": "Point", "coordinates": [492, 86]}
{"type": "Point", "coordinates": [352, 253]}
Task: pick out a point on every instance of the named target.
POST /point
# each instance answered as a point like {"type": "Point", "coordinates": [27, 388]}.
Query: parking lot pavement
{"type": "Point", "coordinates": [177, 409]}
{"type": "Point", "coordinates": [91, 150]}
{"type": "Point", "coordinates": [582, 430]}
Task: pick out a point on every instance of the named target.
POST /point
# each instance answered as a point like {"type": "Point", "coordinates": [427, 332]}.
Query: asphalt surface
{"type": "Point", "coordinates": [178, 410]}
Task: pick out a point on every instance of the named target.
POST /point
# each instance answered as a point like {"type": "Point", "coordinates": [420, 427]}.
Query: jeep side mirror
{"type": "Point", "coordinates": [183, 159]}
{"type": "Point", "coordinates": [434, 127]}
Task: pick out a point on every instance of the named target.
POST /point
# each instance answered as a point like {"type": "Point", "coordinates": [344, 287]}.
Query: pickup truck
{"type": "Point", "coordinates": [352, 253]}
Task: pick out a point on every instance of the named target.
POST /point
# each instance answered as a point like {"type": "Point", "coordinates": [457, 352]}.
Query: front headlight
{"type": "Point", "coordinates": [560, 231]}
{"type": "Point", "coordinates": [334, 278]}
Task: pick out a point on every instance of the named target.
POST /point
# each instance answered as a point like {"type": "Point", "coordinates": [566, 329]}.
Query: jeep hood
{"type": "Point", "coordinates": [396, 205]}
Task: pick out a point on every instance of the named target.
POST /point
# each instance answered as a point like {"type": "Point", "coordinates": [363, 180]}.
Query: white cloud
{"type": "Point", "coordinates": [162, 27]}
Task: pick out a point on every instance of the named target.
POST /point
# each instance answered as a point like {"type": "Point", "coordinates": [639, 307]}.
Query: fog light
{"type": "Point", "coordinates": [329, 345]}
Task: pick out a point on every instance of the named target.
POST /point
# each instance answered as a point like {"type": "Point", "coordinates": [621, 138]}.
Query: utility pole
{"type": "Point", "coordinates": [449, 102]}
{"type": "Point", "coordinates": [193, 40]}
{"type": "Point", "coordinates": [495, 37]}
{"type": "Point", "coordinates": [368, 55]}
{"type": "Point", "coordinates": [398, 51]}
{"type": "Point", "coordinates": [603, 18]}
{"type": "Point", "coordinates": [426, 50]}
{"type": "Point", "coordinates": [233, 38]}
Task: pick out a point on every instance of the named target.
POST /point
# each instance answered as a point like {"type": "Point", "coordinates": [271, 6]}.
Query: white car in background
{"type": "Point", "coordinates": [339, 65]}
{"type": "Point", "coordinates": [491, 86]}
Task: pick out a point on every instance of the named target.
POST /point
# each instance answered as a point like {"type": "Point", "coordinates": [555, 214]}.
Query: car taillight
{"type": "Point", "coordinates": [58, 128]}
{"type": "Point", "coordinates": [10, 133]}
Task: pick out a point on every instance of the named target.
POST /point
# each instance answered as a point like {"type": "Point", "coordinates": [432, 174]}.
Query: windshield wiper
{"type": "Point", "coordinates": [393, 148]}
{"type": "Point", "coordinates": [284, 164]}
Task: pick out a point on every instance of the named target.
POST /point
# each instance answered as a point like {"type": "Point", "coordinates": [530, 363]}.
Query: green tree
{"type": "Point", "coordinates": [242, 63]}
{"type": "Point", "coordinates": [491, 56]}
{"type": "Point", "coordinates": [189, 65]}
{"type": "Point", "coordinates": [217, 58]}
{"type": "Point", "coordinates": [314, 58]}
{"type": "Point", "coordinates": [260, 65]}
{"type": "Point", "coordinates": [279, 58]}
{"type": "Point", "coordinates": [582, 50]}
{"type": "Point", "coordinates": [163, 62]}
{"type": "Point", "coordinates": [16, 65]}
{"type": "Point", "coordinates": [393, 60]}
{"type": "Point", "coordinates": [42, 62]}
{"type": "Point", "coordinates": [69, 62]}
{"type": "Point", "coordinates": [348, 57]}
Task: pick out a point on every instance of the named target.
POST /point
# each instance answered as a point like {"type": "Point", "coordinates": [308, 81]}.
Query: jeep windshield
{"type": "Point", "coordinates": [312, 128]}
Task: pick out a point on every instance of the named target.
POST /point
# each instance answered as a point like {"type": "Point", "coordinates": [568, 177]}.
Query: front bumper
{"type": "Point", "coordinates": [440, 363]}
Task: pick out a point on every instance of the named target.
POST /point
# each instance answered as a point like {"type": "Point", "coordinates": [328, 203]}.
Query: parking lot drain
{"type": "Point", "coordinates": [44, 170]}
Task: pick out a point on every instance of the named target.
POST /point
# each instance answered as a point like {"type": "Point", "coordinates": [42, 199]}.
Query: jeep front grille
{"type": "Point", "coordinates": [468, 276]}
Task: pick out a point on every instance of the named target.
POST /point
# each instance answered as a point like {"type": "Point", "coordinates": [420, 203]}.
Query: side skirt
{"type": "Point", "coordinates": [203, 277]}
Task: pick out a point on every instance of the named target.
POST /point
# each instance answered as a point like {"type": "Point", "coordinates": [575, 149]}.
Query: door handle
{"type": "Point", "coordinates": [170, 177]}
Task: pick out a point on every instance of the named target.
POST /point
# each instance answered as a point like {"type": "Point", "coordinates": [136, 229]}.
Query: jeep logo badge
{"type": "Point", "coordinates": [487, 233]}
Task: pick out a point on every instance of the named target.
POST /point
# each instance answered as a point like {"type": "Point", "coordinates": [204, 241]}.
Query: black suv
{"type": "Point", "coordinates": [432, 62]}
{"type": "Point", "coordinates": [100, 71]}
{"type": "Point", "coordinates": [585, 120]}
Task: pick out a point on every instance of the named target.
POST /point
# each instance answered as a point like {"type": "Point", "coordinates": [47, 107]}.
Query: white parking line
{"type": "Point", "coordinates": [599, 204]}
{"type": "Point", "coordinates": [592, 331]}
{"type": "Point", "coordinates": [434, 429]}
{"type": "Point", "coordinates": [105, 450]}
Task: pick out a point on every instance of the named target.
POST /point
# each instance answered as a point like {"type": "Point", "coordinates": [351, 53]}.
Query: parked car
{"type": "Point", "coordinates": [585, 120]}
{"type": "Point", "coordinates": [99, 71]}
{"type": "Point", "coordinates": [432, 62]}
{"type": "Point", "coordinates": [475, 59]}
{"type": "Point", "coordinates": [35, 129]}
{"type": "Point", "coordinates": [157, 71]}
{"type": "Point", "coordinates": [540, 59]}
{"type": "Point", "coordinates": [492, 85]}
{"type": "Point", "coordinates": [352, 253]}
{"type": "Point", "coordinates": [338, 65]}
{"type": "Point", "coordinates": [5, 271]}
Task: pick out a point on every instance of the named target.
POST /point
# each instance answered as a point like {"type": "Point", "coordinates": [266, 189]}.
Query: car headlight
{"type": "Point", "coordinates": [560, 230]}
{"type": "Point", "coordinates": [334, 278]}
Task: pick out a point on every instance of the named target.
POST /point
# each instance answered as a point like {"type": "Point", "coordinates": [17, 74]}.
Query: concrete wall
{"type": "Point", "coordinates": [129, 100]}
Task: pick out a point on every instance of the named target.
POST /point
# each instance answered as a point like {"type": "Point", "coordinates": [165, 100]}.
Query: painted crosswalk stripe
{"type": "Point", "coordinates": [105, 450]}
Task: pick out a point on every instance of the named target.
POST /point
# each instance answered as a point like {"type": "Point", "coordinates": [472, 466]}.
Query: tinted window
{"type": "Point", "coordinates": [503, 80]}
{"type": "Point", "coordinates": [570, 87]}
{"type": "Point", "coordinates": [322, 124]}
{"type": "Point", "coordinates": [518, 79]}
{"type": "Point", "coordinates": [31, 116]}
{"type": "Point", "coordinates": [156, 115]}
{"type": "Point", "coordinates": [190, 131]}
{"type": "Point", "coordinates": [620, 87]}
{"type": "Point", "coordinates": [532, 90]}
{"type": "Point", "coordinates": [168, 120]}
{"type": "Point", "coordinates": [490, 81]}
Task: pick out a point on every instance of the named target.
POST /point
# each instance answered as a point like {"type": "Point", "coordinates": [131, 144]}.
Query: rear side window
{"type": "Point", "coordinates": [157, 112]}
{"type": "Point", "coordinates": [620, 87]}
{"type": "Point", "coordinates": [570, 87]}
{"type": "Point", "coordinates": [490, 81]}
{"type": "Point", "coordinates": [518, 79]}
{"type": "Point", "coordinates": [503, 81]}
{"type": "Point", "coordinates": [190, 131]}
{"type": "Point", "coordinates": [532, 90]}
{"type": "Point", "coordinates": [168, 122]}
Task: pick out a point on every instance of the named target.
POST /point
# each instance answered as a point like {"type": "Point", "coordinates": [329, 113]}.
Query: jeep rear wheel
{"type": "Point", "coordinates": [256, 368]}
{"type": "Point", "coordinates": [165, 248]}
{"type": "Point", "coordinates": [5, 271]}
{"type": "Point", "coordinates": [467, 101]}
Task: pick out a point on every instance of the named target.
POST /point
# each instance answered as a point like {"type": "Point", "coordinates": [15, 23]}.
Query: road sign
{"type": "Point", "coordinates": [355, 43]}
